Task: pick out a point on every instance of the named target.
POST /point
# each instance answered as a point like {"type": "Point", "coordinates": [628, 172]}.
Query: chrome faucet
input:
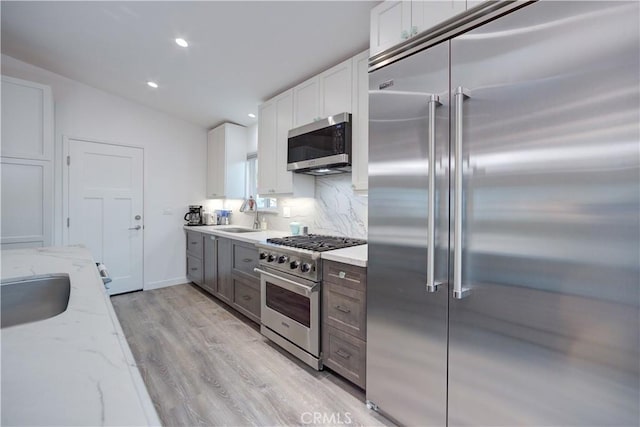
{"type": "Point", "coordinates": [256, 221]}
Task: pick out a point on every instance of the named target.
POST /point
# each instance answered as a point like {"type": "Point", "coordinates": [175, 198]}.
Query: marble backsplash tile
{"type": "Point", "coordinates": [335, 210]}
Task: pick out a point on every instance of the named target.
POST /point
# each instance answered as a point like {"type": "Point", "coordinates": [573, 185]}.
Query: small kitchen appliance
{"type": "Point", "coordinates": [194, 216]}
{"type": "Point", "coordinates": [322, 147]}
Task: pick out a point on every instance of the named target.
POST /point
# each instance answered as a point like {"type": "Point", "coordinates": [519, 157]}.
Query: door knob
{"type": "Point", "coordinates": [137, 227]}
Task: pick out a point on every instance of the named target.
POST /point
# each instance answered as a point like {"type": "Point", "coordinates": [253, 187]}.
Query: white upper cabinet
{"type": "Point", "coordinates": [274, 121]}
{"type": "Point", "coordinates": [306, 102]}
{"type": "Point", "coordinates": [323, 95]}
{"type": "Point", "coordinates": [393, 22]}
{"type": "Point", "coordinates": [335, 89]}
{"type": "Point", "coordinates": [360, 123]}
{"type": "Point", "coordinates": [226, 162]}
{"type": "Point", "coordinates": [390, 24]}
{"type": "Point", "coordinates": [27, 120]}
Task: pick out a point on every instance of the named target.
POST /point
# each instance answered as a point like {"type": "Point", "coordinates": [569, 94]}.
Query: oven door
{"type": "Point", "coordinates": [291, 307]}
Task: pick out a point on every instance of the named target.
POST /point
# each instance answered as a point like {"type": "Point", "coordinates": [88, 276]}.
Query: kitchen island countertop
{"type": "Point", "coordinates": [75, 368]}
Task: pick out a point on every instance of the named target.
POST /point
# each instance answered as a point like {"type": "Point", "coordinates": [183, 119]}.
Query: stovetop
{"type": "Point", "coordinates": [317, 242]}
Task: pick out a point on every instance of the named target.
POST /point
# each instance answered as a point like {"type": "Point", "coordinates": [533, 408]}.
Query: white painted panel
{"type": "Point", "coordinates": [306, 102]}
{"type": "Point", "coordinates": [267, 148]}
{"type": "Point", "coordinates": [118, 256]}
{"type": "Point", "coordinates": [335, 84]}
{"type": "Point", "coordinates": [27, 119]}
{"type": "Point", "coordinates": [27, 209]}
{"type": "Point", "coordinates": [107, 171]}
{"type": "Point", "coordinates": [389, 20]}
{"type": "Point", "coordinates": [91, 227]}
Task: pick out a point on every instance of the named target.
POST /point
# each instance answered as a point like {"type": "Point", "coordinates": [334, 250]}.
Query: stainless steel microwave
{"type": "Point", "coordinates": [322, 147]}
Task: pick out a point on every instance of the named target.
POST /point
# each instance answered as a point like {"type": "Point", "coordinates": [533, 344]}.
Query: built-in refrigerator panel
{"type": "Point", "coordinates": [548, 129]}
{"type": "Point", "coordinates": [406, 325]}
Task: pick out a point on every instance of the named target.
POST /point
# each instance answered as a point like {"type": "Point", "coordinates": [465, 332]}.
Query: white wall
{"type": "Point", "coordinates": [175, 161]}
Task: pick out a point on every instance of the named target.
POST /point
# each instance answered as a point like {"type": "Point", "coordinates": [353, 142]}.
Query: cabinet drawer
{"type": "Point", "coordinates": [344, 275]}
{"type": "Point", "coordinates": [246, 298]}
{"type": "Point", "coordinates": [194, 270]}
{"type": "Point", "coordinates": [344, 309]}
{"type": "Point", "coordinates": [245, 259]}
{"type": "Point", "coordinates": [194, 243]}
{"type": "Point", "coordinates": [345, 354]}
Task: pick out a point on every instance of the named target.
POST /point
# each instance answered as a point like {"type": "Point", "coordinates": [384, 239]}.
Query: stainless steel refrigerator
{"type": "Point", "coordinates": [504, 200]}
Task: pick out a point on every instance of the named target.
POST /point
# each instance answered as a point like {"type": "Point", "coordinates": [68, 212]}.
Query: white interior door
{"type": "Point", "coordinates": [105, 208]}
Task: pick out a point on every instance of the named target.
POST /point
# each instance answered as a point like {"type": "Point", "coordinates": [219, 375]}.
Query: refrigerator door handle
{"type": "Point", "coordinates": [432, 285]}
{"type": "Point", "coordinates": [458, 291]}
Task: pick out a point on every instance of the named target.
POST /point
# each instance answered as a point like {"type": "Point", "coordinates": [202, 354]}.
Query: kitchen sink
{"type": "Point", "coordinates": [239, 230]}
{"type": "Point", "coordinates": [34, 298]}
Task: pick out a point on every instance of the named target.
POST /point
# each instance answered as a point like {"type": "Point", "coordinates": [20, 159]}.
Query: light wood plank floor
{"type": "Point", "coordinates": [205, 365]}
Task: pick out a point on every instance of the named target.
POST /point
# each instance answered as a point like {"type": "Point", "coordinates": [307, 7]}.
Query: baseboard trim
{"type": "Point", "coordinates": [165, 283]}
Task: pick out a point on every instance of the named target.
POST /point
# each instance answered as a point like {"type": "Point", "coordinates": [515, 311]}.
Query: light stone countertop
{"type": "Point", "coordinates": [257, 236]}
{"type": "Point", "coordinates": [76, 368]}
{"type": "Point", "coordinates": [355, 255]}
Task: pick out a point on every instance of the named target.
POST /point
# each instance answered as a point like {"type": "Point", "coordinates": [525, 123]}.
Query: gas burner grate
{"type": "Point", "coordinates": [317, 242]}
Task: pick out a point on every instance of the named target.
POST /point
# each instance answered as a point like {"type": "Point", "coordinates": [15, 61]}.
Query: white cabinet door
{"type": "Point", "coordinates": [226, 161]}
{"type": "Point", "coordinates": [27, 203]}
{"type": "Point", "coordinates": [267, 177]}
{"type": "Point", "coordinates": [306, 103]}
{"type": "Point", "coordinates": [335, 89]}
{"type": "Point", "coordinates": [27, 119]}
{"type": "Point", "coordinates": [390, 22]}
{"type": "Point", "coordinates": [284, 122]}
{"type": "Point", "coordinates": [360, 123]}
{"type": "Point", "coordinates": [393, 22]}
{"type": "Point", "coordinates": [215, 163]}
{"type": "Point", "coordinates": [427, 14]}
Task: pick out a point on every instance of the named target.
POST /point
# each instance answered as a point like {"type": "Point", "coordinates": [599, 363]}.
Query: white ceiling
{"type": "Point", "coordinates": [240, 53]}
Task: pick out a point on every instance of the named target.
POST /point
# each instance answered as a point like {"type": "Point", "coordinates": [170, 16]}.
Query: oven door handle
{"type": "Point", "coordinates": [293, 286]}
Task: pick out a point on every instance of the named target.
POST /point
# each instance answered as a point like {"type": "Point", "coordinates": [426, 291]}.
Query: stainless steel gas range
{"type": "Point", "coordinates": [290, 284]}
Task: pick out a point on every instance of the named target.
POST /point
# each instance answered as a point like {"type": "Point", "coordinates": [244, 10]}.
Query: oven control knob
{"type": "Point", "coordinates": [305, 268]}
{"type": "Point", "coordinates": [271, 258]}
{"type": "Point", "coordinates": [282, 259]}
{"type": "Point", "coordinates": [263, 255]}
{"type": "Point", "coordinates": [294, 264]}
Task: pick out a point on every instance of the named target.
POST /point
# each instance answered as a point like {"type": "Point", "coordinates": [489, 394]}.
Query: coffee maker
{"type": "Point", "coordinates": [194, 216]}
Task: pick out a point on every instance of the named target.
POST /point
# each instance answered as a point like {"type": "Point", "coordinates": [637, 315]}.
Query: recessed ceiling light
{"type": "Point", "coordinates": [253, 116]}
{"type": "Point", "coordinates": [152, 84]}
{"type": "Point", "coordinates": [182, 42]}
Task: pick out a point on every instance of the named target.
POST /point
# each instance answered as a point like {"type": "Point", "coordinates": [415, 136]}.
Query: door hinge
{"type": "Point", "coordinates": [68, 160]}
{"type": "Point", "coordinates": [68, 222]}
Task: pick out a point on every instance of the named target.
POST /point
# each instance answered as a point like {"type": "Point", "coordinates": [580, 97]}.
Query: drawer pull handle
{"type": "Point", "coordinates": [342, 275]}
{"type": "Point", "coordinates": [342, 309]}
{"type": "Point", "coordinates": [194, 269]}
{"type": "Point", "coordinates": [247, 260]}
{"type": "Point", "coordinates": [246, 297]}
{"type": "Point", "coordinates": [343, 354]}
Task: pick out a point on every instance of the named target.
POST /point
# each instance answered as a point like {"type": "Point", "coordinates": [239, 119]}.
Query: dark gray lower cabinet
{"type": "Point", "coordinates": [224, 268]}
{"type": "Point", "coordinates": [225, 281]}
{"type": "Point", "coordinates": [344, 316]}
{"type": "Point", "coordinates": [210, 264]}
{"type": "Point", "coordinates": [195, 271]}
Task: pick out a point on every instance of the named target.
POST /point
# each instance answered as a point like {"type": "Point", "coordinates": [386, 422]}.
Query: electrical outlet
{"type": "Point", "coordinates": [286, 212]}
{"type": "Point", "coordinates": [167, 211]}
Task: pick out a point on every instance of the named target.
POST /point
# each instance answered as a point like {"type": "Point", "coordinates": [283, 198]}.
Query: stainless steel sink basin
{"type": "Point", "coordinates": [239, 230]}
{"type": "Point", "coordinates": [34, 298]}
